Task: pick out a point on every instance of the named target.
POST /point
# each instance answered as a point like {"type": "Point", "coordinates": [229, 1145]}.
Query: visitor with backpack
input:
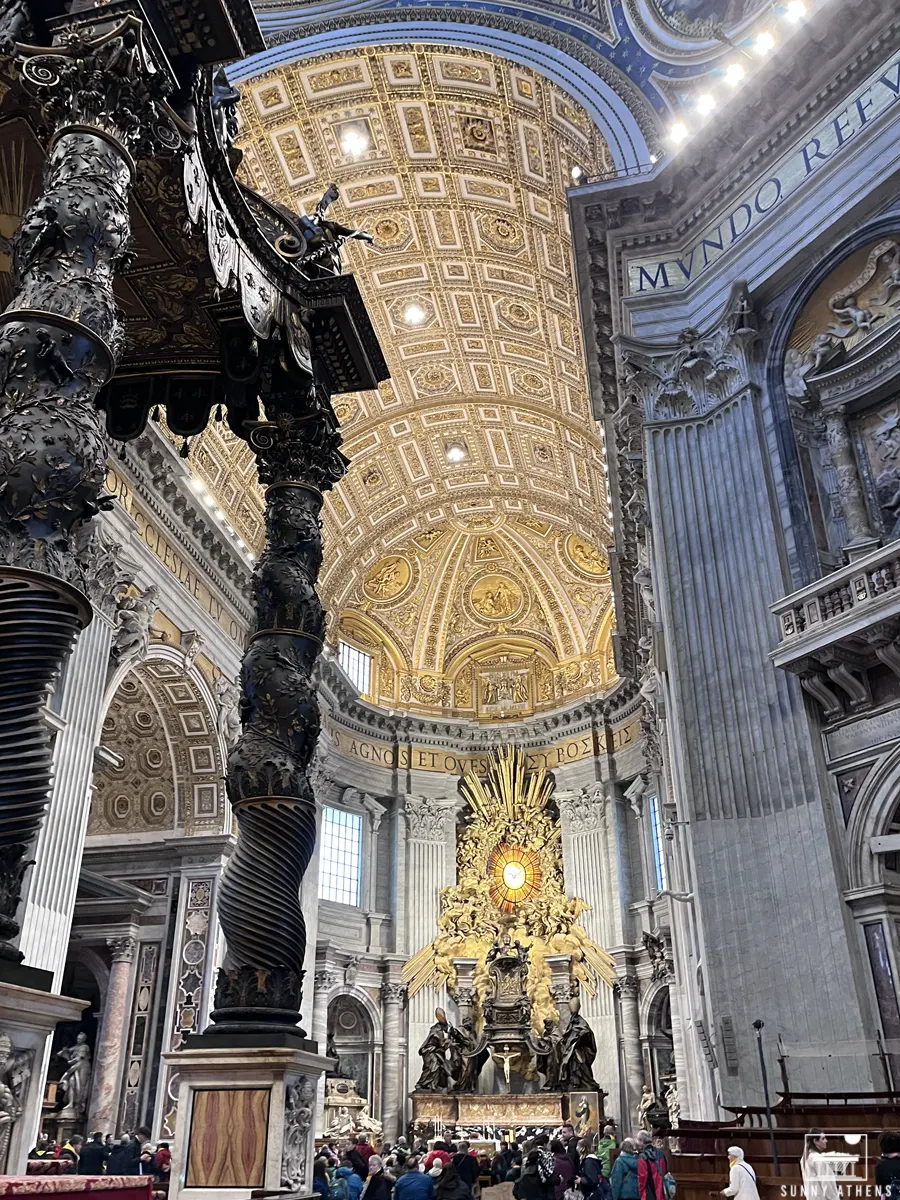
{"type": "Point", "coordinates": [741, 1177]}
{"type": "Point", "coordinates": [320, 1184]}
{"type": "Point", "coordinates": [346, 1184]}
{"type": "Point", "coordinates": [887, 1169]}
{"type": "Point", "coordinates": [624, 1179]}
{"type": "Point", "coordinates": [654, 1180]}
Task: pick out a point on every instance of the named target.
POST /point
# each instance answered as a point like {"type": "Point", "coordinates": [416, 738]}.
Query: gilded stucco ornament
{"type": "Point", "coordinates": [510, 883]}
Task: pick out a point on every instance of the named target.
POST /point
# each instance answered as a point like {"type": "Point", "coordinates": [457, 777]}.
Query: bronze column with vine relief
{"type": "Point", "coordinates": [101, 87]}
{"type": "Point", "coordinates": [298, 458]}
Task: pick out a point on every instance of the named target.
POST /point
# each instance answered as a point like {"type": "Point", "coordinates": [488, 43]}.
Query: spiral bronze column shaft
{"type": "Point", "coordinates": [259, 894]}
{"type": "Point", "coordinates": [58, 345]}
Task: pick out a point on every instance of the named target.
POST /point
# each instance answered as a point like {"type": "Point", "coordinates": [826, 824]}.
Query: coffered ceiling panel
{"type": "Point", "coordinates": [458, 164]}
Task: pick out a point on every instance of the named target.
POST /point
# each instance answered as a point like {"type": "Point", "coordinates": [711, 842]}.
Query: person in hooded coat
{"type": "Point", "coordinates": [741, 1177]}
{"type": "Point", "coordinates": [624, 1179]}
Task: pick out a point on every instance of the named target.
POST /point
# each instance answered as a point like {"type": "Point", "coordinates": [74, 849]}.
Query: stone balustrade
{"type": "Point", "coordinates": [852, 607]}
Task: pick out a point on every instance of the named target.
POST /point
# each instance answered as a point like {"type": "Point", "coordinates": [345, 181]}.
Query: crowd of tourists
{"type": "Point", "coordinates": [102, 1154]}
{"type": "Point", "coordinates": [544, 1167]}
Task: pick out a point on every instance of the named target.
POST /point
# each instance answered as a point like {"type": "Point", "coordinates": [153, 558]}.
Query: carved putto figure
{"type": "Point", "coordinates": [857, 319]}
{"type": "Point", "coordinates": [133, 619]}
{"type": "Point", "coordinates": [228, 720]}
{"type": "Point", "coordinates": [76, 1079]}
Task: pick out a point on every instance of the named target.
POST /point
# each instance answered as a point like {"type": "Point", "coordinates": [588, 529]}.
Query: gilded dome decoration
{"type": "Point", "coordinates": [464, 548]}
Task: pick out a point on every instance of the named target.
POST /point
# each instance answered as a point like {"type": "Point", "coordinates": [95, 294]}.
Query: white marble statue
{"type": "Point", "coordinates": [367, 1124]}
{"type": "Point", "coordinates": [76, 1079]}
{"type": "Point", "coordinates": [647, 1104]}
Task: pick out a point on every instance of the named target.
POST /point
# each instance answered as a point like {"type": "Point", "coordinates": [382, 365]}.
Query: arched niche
{"type": "Point", "coordinates": [351, 1026]}
{"type": "Point", "coordinates": [657, 1042]}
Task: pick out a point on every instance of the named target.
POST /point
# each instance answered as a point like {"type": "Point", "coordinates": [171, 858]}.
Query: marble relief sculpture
{"type": "Point", "coordinates": [15, 1071]}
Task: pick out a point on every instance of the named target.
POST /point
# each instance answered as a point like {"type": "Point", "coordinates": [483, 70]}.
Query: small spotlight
{"type": "Point", "coordinates": [764, 43]}
{"type": "Point", "coordinates": [705, 104]}
{"type": "Point", "coordinates": [414, 314]}
{"type": "Point", "coordinates": [654, 158]}
{"type": "Point", "coordinates": [678, 132]}
{"type": "Point", "coordinates": [852, 1139]}
{"type": "Point", "coordinates": [199, 488]}
{"type": "Point", "coordinates": [734, 73]}
{"type": "Point", "coordinates": [241, 543]}
{"type": "Point", "coordinates": [576, 173]}
{"type": "Point", "coordinates": [456, 452]}
{"type": "Point", "coordinates": [354, 143]}
{"type": "Point", "coordinates": [217, 512]}
{"type": "Point", "coordinates": [796, 10]}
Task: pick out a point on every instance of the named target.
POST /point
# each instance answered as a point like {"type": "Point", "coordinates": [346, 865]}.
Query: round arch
{"type": "Point", "coordinates": [161, 719]}
{"type": "Point", "coordinates": [616, 121]}
{"type": "Point", "coordinates": [875, 804]}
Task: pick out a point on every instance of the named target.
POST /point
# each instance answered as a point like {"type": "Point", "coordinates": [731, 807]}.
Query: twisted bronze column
{"type": "Point", "coordinates": [260, 986]}
{"type": "Point", "coordinates": [102, 91]}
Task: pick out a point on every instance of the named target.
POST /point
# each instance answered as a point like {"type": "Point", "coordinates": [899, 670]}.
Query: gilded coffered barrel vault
{"type": "Point", "coordinates": [465, 547]}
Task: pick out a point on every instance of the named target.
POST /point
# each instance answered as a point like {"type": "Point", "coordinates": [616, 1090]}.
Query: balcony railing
{"type": "Point", "coordinates": [853, 607]}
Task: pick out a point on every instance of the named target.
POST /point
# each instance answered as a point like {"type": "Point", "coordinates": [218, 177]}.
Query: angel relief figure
{"type": "Point", "coordinates": [853, 318]}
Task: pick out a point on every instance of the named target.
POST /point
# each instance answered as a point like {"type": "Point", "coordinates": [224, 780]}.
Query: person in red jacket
{"type": "Point", "coordinates": [652, 1168]}
{"type": "Point", "coordinates": [363, 1147]}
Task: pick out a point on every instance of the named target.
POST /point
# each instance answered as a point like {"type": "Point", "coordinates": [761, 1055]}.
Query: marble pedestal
{"type": "Point", "coordinates": [245, 1118]}
{"type": "Point", "coordinates": [28, 1018]}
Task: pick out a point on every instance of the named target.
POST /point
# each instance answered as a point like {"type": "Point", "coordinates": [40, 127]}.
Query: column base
{"type": "Point", "coordinates": [246, 1103]}
{"type": "Point", "coordinates": [28, 1017]}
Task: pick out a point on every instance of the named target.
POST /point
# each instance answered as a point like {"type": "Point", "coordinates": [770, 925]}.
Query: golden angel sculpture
{"type": "Point", "coordinates": [510, 883]}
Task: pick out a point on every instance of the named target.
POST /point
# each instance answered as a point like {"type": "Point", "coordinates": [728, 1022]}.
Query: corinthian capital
{"type": "Point", "coordinates": [583, 809]}
{"type": "Point", "coordinates": [428, 820]}
{"type": "Point", "coordinates": [122, 949]}
{"type": "Point", "coordinates": [105, 72]}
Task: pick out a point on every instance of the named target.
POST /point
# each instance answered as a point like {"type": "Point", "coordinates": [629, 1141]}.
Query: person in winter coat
{"type": "Point", "coordinates": [529, 1185]}
{"type": "Point", "coordinates": [605, 1147]}
{"type": "Point", "coordinates": [123, 1157]}
{"type": "Point", "coordinates": [379, 1185]}
{"type": "Point", "coordinates": [624, 1180]}
{"type": "Point", "coordinates": [564, 1168]}
{"type": "Point", "coordinates": [320, 1185]}
{"type": "Point", "coordinates": [652, 1168]}
{"type": "Point", "coordinates": [346, 1184]}
{"type": "Point", "coordinates": [449, 1186]}
{"type": "Point", "coordinates": [414, 1184]}
{"type": "Point", "coordinates": [741, 1177]}
{"type": "Point", "coordinates": [358, 1161]}
{"type": "Point", "coordinates": [93, 1156]}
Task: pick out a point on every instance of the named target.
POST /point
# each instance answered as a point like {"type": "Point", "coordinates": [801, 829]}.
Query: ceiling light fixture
{"type": "Point", "coordinates": [354, 143]}
{"type": "Point", "coordinates": [414, 314]}
{"type": "Point", "coordinates": [456, 452]}
{"type": "Point", "coordinates": [796, 10]}
{"type": "Point", "coordinates": [576, 173]}
{"type": "Point", "coordinates": [764, 43]}
{"type": "Point", "coordinates": [705, 104]}
{"type": "Point", "coordinates": [734, 73]}
{"type": "Point", "coordinates": [654, 158]}
{"type": "Point", "coordinates": [678, 132]}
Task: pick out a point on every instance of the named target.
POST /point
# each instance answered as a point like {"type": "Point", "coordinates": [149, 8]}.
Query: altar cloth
{"type": "Point", "coordinates": [113, 1187]}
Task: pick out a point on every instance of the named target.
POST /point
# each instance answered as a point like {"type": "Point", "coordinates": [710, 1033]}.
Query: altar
{"type": "Point", "coordinates": [438, 1112]}
{"type": "Point", "coordinates": [515, 958]}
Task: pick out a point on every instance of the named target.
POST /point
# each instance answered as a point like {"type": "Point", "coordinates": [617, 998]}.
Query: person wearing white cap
{"type": "Point", "coordinates": [741, 1178]}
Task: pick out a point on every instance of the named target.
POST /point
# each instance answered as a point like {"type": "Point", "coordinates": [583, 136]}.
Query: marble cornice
{"type": "Point", "coordinates": [365, 719]}
{"type": "Point", "coordinates": [157, 482]}
{"type": "Point", "coordinates": [713, 168]}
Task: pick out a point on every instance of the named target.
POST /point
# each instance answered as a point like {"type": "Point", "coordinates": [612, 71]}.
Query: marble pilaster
{"type": "Point", "coordinates": [110, 1043]}
{"type": "Point", "coordinates": [325, 980]}
{"type": "Point", "coordinates": [46, 915]}
{"type": "Point", "coordinates": [430, 867]}
{"type": "Point", "coordinates": [392, 1000]}
{"type": "Point", "coordinates": [629, 990]}
{"type": "Point", "coordinates": [590, 868]}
